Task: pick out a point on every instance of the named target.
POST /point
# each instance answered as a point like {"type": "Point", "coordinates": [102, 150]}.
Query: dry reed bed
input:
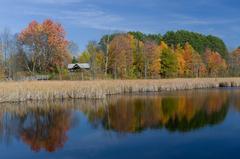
{"type": "Point", "coordinates": [44, 90]}
{"type": "Point", "coordinates": [21, 108]}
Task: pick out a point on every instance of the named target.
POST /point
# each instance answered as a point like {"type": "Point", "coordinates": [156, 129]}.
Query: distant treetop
{"type": "Point", "coordinates": [198, 41]}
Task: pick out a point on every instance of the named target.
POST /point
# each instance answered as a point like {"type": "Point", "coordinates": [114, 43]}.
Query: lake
{"type": "Point", "coordinates": [181, 124]}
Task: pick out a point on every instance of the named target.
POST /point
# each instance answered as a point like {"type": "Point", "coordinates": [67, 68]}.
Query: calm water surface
{"type": "Point", "coordinates": [186, 124]}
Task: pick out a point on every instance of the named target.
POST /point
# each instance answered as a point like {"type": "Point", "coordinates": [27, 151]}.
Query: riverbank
{"type": "Point", "coordinates": [49, 90]}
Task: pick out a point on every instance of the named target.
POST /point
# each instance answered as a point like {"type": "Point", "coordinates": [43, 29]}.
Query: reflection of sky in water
{"type": "Point", "coordinates": [92, 130]}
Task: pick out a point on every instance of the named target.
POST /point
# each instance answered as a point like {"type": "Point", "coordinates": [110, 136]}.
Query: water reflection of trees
{"type": "Point", "coordinates": [41, 125]}
{"type": "Point", "coordinates": [235, 102]}
{"type": "Point", "coordinates": [44, 125]}
{"type": "Point", "coordinates": [179, 112]}
{"type": "Point", "coordinates": [47, 130]}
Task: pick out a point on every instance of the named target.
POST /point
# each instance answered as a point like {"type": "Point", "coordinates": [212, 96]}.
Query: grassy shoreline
{"type": "Point", "coordinates": [49, 90]}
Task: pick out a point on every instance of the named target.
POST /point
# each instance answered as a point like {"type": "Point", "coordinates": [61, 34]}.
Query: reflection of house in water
{"type": "Point", "coordinates": [78, 67]}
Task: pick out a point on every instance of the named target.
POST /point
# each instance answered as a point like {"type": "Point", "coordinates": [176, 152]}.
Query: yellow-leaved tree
{"type": "Point", "coordinates": [181, 62]}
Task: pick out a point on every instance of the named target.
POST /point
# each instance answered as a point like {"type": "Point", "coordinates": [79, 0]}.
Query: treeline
{"type": "Point", "coordinates": [198, 41]}
{"type": "Point", "coordinates": [42, 48]}
{"type": "Point", "coordinates": [176, 54]}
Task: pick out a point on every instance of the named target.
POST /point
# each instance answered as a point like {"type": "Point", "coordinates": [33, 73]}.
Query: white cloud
{"type": "Point", "coordinates": [62, 2]}
{"type": "Point", "coordinates": [87, 17]}
{"type": "Point", "coordinates": [188, 20]}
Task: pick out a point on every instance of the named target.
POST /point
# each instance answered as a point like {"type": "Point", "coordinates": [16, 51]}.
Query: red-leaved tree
{"type": "Point", "coordinates": [45, 46]}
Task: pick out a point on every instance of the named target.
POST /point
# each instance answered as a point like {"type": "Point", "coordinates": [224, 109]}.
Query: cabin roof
{"type": "Point", "coordinates": [80, 65]}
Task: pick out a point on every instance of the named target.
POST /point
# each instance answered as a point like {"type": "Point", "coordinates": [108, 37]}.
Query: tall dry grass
{"type": "Point", "coordinates": [44, 90]}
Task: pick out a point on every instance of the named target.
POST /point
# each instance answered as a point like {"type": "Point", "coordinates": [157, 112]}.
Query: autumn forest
{"type": "Point", "coordinates": [43, 49]}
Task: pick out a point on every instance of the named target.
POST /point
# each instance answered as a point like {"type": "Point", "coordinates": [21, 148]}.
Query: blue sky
{"type": "Point", "coordinates": [86, 20]}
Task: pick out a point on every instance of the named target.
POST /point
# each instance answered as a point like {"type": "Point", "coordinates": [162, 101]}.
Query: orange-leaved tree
{"type": "Point", "coordinates": [152, 63]}
{"type": "Point", "coordinates": [120, 55]}
{"type": "Point", "coordinates": [45, 46]}
{"type": "Point", "coordinates": [215, 63]}
{"type": "Point", "coordinates": [194, 65]}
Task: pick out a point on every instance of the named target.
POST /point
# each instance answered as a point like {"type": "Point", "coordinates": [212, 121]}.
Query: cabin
{"type": "Point", "coordinates": [78, 67]}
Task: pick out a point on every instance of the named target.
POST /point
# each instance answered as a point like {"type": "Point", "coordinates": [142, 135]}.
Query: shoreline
{"type": "Point", "coordinates": [100, 89]}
